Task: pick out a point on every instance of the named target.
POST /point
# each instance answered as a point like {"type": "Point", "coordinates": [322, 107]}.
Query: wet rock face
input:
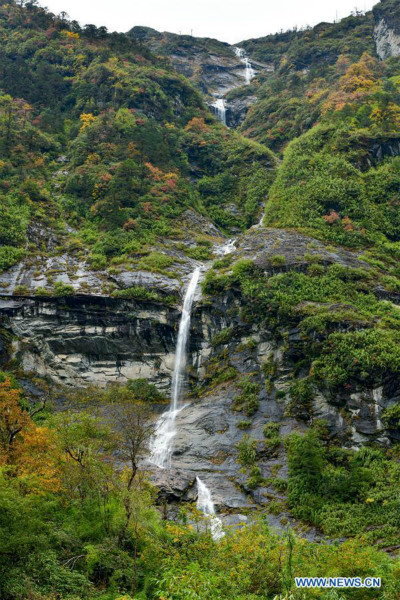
{"type": "Point", "coordinates": [82, 340]}
{"type": "Point", "coordinates": [237, 109]}
{"type": "Point", "coordinates": [387, 30]}
{"type": "Point", "coordinates": [387, 39]}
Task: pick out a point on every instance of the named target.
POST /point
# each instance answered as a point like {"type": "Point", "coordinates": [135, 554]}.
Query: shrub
{"type": "Point", "coordinates": [98, 261]}
{"type": "Point", "coordinates": [248, 400]}
{"type": "Point", "coordinates": [143, 390]}
{"type": "Point", "coordinates": [200, 253]}
{"type": "Point", "coordinates": [247, 448]}
{"type": "Point", "coordinates": [156, 262]}
{"type": "Point", "coordinates": [244, 424]}
{"type": "Point", "coordinates": [272, 436]}
{"type": "Point", "coordinates": [9, 256]}
{"type": "Point", "coordinates": [278, 260]}
{"type": "Point", "coordinates": [21, 290]}
{"type": "Point", "coordinates": [63, 289]}
{"type": "Point", "coordinates": [222, 337]}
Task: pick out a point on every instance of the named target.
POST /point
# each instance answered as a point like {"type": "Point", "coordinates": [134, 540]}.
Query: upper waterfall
{"type": "Point", "coordinates": [249, 72]}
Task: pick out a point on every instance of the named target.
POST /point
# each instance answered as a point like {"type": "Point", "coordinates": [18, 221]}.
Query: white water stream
{"type": "Point", "coordinates": [220, 109]}
{"type": "Point", "coordinates": [161, 445]}
{"type": "Point", "coordinates": [249, 72]}
{"type": "Point", "coordinates": [206, 505]}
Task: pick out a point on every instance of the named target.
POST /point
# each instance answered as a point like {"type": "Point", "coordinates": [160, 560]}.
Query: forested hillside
{"type": "Point", "coordinates": [119, 188]}
{"type": "Point", "coordinates": [98, 132]}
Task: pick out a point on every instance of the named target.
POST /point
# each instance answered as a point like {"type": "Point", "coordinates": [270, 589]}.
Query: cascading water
{"type": "Point", "coordinates": [220, 109]}
{"type": "Point", "coordinates": [206, 505]}
{"type": "Point", "coordinates": [249, 72]}
{"type": "Point", "coordinates": [161, 446]}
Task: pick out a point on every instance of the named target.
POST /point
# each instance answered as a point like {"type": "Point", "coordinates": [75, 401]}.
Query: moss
{"type": "Point", "coordinates": [278, 260]}
{"type": "Point", "coordinates": [143, 294]}
{"type": "Point", "coordinates": [244, 425]}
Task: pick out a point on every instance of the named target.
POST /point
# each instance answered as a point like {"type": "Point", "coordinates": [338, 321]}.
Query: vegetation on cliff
{"type": "Point", "coordinates": [104, 144]}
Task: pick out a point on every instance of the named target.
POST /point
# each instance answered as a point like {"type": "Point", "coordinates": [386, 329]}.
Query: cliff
{"type": "Point", "coordinates": [387, 29]}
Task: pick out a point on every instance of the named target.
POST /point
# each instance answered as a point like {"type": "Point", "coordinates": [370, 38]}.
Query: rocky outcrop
{"type": "Point", "coordinates": [211, 65]}
{"type": "Point", "coordinates": [82, 340]}
{"type": "Point", "coordinates": [387, 29]}
{"type": "Point", "coordinates": [237, 109]}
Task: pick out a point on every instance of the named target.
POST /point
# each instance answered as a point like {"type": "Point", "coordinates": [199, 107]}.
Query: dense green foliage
{"type": "Point", "coordinates": [99, 134]}
{"type": "Point", "coordinates": [343, 492]}
{"type": "Point", "coordinates": [306, 64]}
{"type": "Point", "coordinates": [74, 526]}
{"type": "Point", "coordinates": [348, 334]}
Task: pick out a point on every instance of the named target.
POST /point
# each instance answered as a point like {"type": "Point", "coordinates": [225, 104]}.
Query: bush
{"type": "Point", "coordinates": [145, 391]}
{"type": "Point", "coordinates": [200, 253]}
{"type": "Point", "coordinates": [248, 400]}
{"type": "Point", "coordinates": [278, 260]}
{"type": "Point", "coordinates": [222, 337]}
{"type": "Point", "coordinates": [272, 436]}
{"type": "Point", "coordinates": [9, 256]}
{"type": "Point", "coordinates": [62, 289]}
{"type": "Point", "coordinates": [247, 448]}
{"type": "Point", "coordinates": [156, 262]}
{"type": "Point", "coordinates": [98, 261]}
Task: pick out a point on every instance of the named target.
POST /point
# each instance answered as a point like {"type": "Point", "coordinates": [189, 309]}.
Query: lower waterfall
{"type": "Point", "coordinates": [161, 446]}
{"type": "Point", "coordinates": [206, 505]}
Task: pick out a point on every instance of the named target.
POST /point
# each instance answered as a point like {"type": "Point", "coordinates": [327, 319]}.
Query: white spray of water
{"type": "Point", "coordinates": [229, 247]}
{"type": "Point", "coordinates": [220, 109]}
{"type": "Point", "coordinates": [249, 72]}
{"type": "Point", "coordinates": [161, 445]}
{"type": "Point", "coordinates": [206, 505]}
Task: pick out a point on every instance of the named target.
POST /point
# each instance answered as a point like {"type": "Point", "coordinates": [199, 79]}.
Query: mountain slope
{"type": "Point", "coordinates": [117, 183]}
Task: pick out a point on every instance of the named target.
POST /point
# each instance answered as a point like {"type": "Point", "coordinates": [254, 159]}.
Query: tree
{"type": "Point", "coordinates": [136, 426]}
{"type": "Point", "coordinates": [86, 443]}
{"type": "Point", "coordinates": [13, 418]}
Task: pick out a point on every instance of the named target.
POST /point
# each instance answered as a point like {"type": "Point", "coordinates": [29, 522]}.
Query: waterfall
{"type": "Point", "coordinates": [206, 505]}
{"type": "Point", "coordinates": [229, 247]}
{"type": "Point", "coordinates": [161, 445]}
{"type": "Point", "coordinates": [220, 109]}
{"type": "Point", "coordinates": [249, 72]}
